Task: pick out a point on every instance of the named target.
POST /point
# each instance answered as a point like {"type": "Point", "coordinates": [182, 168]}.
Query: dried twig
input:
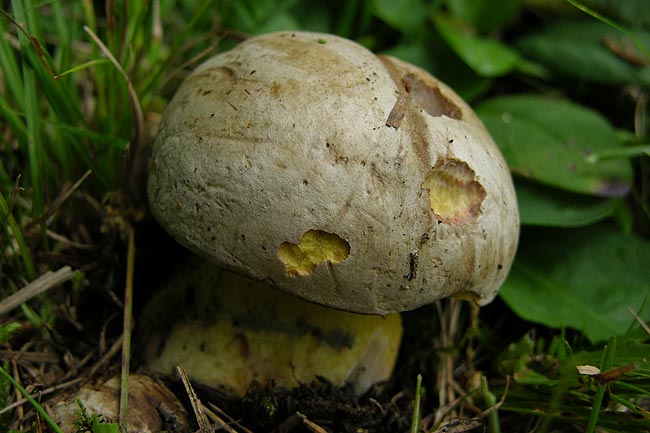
{"type": "Point", "coordinates": [230, 419]}
{"type": "Point", "coordinates": [310, 424]}
{"type": "Point", "coordinates": [43, 283]}
{"type": "Point", "coordinates": [644, 325]}
{"type": "Point", "coordinates": [107, 356]}
{"type": "Point", "coordinates": [61, 199]}
{"type": "Point", "coordinates": [44, 392]}
{"type": "Point", "coordinates": [126, 333]}
{"type": "Point", "coordinates": [221, 423]}
{"type": "Point", "coordinates": [20, 355]}
{"type": "Point", "coordinates": [201, 418]}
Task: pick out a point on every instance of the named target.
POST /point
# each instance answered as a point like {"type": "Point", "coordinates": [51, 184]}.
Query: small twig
{"type": "Point", "coordinates": [644, 325]}
{"type": "Point", "coordinates": [466, 424]}
{"type": "Point", "coordinates": [44, 392]}
{"type": "Point", "coordinates": [67, 242]}
{"type": "Point", "coordinates": [126, 333]}
{"type": "Point", "coordinates": [221, 423]}
{"type": "Point", "coordinates": [310, 424]}
{"type": "Point", "coordinates": [230, 419]}
{"type": "Point", "coordinates": [60, 200]}
{"type": "Point", "coordinates": [459, 425]}
{"type": "Point", "coordinates": [41, 284]}
{"type": "Point", "coordinates": [197, 407]}
{"type": "Point", "coordinates": [19, 355]}
{"type": "Point", "coordinates": [107, 356]}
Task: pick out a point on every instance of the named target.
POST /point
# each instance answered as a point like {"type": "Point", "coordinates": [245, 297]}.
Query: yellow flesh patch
{"type": "Point", "coordinates": [315, 246]}
{"type": "Point", "coordinates": [454, 194]}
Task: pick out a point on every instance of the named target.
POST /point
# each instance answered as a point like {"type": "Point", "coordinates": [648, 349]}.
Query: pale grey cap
{"type": "Point", "coordinates": [398, 191]}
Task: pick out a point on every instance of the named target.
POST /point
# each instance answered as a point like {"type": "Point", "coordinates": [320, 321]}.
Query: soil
{"type": "Point", "coordinates": [84, 347]}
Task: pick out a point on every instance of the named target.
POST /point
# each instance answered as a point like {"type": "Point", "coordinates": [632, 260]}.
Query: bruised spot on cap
{"type": "Point", "coordinates": [455, 196]}
{"type": "Point", "coordinates": [315, 246]}
{"type": "Point", "coordinates": [430, 98]}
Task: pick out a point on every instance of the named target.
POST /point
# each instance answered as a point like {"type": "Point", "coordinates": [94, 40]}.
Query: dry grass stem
{"type": "Point", "coordinates": [107, 356]}
{"type": "Point", "coordinates": [41, 284]}
{"type": "Point", "coordinates": [42, 393]}
{"type": "Point", "coordinates": [311, 425]}
{"type": "Point", "coordinates": [197, 407]}
{"type": "Point", "coordinates": [221, 424]}
{"type": "Point", "coordinates": [231, 421]}
{"type": "Point", "coordinates": [126, 333]}
{"type": "Point", "coordinates": [644, 325]}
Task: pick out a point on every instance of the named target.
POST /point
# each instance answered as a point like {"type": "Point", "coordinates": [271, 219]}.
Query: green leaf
{"type": "Point", "coordinates": [583, 279]}
{"type": "Point", "coordinates": [482, 14]}
{"type": "Point", "coordinates": [279, 21]}
{"type": "Point", "coordinates": [104, 427]}
{"type": "Point", "coordinates": [590, 50]}
{"type": "Point", "coordinates": [413, 52]}
{"type": "Point", "coordinates": [634, 12]}
{"type": "Point", "coordinates": [408, 16]}
{"type": "Point", "coordinates": [543, 206]}
{"type": "Point", "coordinates": [256, 16]}
{"type": "Point", "coordinates": [486, 57]}
{"type": "Point", "coordinates": [550, 140]}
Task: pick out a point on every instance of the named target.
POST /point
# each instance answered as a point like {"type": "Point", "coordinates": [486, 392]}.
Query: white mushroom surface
{"type": "Point", "coordinates": [352, 180]}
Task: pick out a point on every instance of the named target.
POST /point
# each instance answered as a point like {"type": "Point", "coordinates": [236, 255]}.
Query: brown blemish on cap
{"type": "Point", "coordinates": [430, 98]}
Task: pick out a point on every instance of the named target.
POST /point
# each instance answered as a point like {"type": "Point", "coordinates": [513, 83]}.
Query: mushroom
{"type": "Point", "coordinates": [152, 407]}
{"type": "Point", "coordinates": [232, 331]}
{"type": "Point", "coordinates": [350, 180]}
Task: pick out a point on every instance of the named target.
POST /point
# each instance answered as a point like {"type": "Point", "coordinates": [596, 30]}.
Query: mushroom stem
{"type": "Point", "coordinates": [227, 331]}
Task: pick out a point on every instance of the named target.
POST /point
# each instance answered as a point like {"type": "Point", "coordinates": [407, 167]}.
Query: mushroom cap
{"type": "Point", "coordinates": [355, 181]}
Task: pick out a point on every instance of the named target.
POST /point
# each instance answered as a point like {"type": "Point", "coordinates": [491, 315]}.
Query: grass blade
{"type": "Point", "coordinates": [415, 420]}
{"type": "Point", "coordinates": [607, 362]}
{"type": "Point", "coordinates": [28, 268]}
{"type": "Point", "coordinates": [31, 400]}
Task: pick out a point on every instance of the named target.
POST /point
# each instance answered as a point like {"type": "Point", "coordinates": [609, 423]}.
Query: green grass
{"type": "Point", "coordinates": [83, 88]}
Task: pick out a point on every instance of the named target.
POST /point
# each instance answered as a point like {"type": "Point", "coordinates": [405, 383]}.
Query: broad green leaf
{"type": "Point", "coordinates": [543, 206]}
{"type": "Point", "coordinates": [482, 14]}
{"type": "Point", "coordinates": [255, 16]}
{"type": "Point", "coordinates": [316, 17]}
{"type": "Point", "coordinates": [550, 141]}
{"type": "Point", "coordinates": [276, 22]}
{"type": "Point", "coordinates": [590, 50]}
{"type": "Point", "coordinates": [634, 12]}
{"type": "Point", "coordinates": [408, 16]}
{"type": "Point", "coordinates": [486, 57]}
{"type": "Point", "coordinates": [416, 53]}
{"type": "Point", "coordinates": [585, 279]}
